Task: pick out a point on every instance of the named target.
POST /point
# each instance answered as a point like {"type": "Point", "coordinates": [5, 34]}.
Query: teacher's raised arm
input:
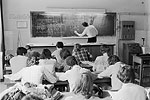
{"type": "Point", "coordinates": [90, 31]}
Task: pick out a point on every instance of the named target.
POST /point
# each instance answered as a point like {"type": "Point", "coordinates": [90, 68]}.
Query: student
{"type": "Point", "coordinates": [34, 74]}
{"type": "Point", "coordinates": [101, 62]}
{"type": "Point", "coordinates": [72, 74]}
{"type": "Point", "coordinates": [83, 89]}
{"type": "Point", "coordinates": [81, 54]}
{"type": "Point", "coordinates": [47, 61]}
{"type": "Point", "coordinates": [112, 71]}
{"type": "Point", "coordinates": [29, 50]}
{"type": "Point", "coordinates": [90, 31]}
{"type": "Point", "coordinates": [33, 58]}
{"type": "Point", "coordinates": [64, 53]}
{"type": "Point", "coordinates": [128, 91]}
{"type": "Point", "coordinates": [20, 61]}
{"type": "Point", "coordinates": [56, 53]}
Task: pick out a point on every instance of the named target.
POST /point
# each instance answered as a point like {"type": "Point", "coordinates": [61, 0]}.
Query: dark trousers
{"type": "Point", "coordinates": [92, 39]}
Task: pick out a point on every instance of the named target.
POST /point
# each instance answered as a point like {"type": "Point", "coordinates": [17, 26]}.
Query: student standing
{"type": "Point", "coordinates": [90, 31]}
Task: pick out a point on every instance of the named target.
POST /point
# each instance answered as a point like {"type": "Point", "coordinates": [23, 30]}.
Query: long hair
{"type": "Point", "coordinates": [84, 84]}
{"type": "Point", "coordinates": [46, 54]}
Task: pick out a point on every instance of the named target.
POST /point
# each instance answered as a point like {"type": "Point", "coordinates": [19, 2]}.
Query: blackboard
{"type": "Point", "coordinates": [63, 24]}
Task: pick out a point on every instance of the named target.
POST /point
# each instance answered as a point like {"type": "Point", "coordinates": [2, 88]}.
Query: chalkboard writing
{"type": "Point", "coordinates": [63, 24]}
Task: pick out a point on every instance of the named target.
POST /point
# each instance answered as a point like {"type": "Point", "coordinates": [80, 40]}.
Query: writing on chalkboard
{"type": "Point", "coordinates": [63, 24]}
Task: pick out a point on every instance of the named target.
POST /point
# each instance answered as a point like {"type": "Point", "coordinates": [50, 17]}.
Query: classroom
{"type": "Point", "coordinates": [122, 30]}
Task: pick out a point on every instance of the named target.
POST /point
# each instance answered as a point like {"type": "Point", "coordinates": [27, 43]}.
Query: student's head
{"type": "Point", "coordinates": [21, 51]}
{"type": "Point", "coordinates": [126, 74]}
{"type": "Point", "coordinates": [104, 49]}
{"type": "Point", "coordinates": [77, 47]}
{"type": "Point", "coordinates": [64, 53]}
{"type": "Point", "coordinates": [113, 59]}
{"type": "Point", "coordinates": [34, 58]}
{"type": "Point", "coordinates": [59, 45]}
{"type": "Point", "coordinates": [84, 84]}
{"type": "Point", "coordinates": [85, 24]}
{"type": "Point", "coordinates": [46, 54]}
{"type": "Point", "coordinates": [71, 61]}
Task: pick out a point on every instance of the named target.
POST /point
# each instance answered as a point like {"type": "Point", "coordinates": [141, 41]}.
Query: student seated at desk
{"type": "Point", "coordinates": [20, 61]}
{"type": "Point", "coordinates": [72, 74]}
{"type": "Point", "coordinates": [47, 61]}
{"type": "Point", "coordinates": [83, 88]}
{"type": "Point", "coordinates": [81, 54]}
{"type": "Point", "coordinates": [34, 74]}
{"type": "Point", "coordinates": [56, 53]}
{"type": "Point", "coordinates": [128, 91]}
{"type": "Point", "coordinates": [64, 53]}
{"type": "Point", "coordinates": [101, 62]}
{"type": "Point", "coordinates": [112, 71]}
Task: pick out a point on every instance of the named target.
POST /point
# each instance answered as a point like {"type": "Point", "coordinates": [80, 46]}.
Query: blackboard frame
{"type": "Point", "coordinates": [58, 23]}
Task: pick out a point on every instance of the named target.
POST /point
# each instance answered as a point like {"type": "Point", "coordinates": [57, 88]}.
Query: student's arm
{"type": "Point", "coordinates": [49, 76]}
{"type": "Point", "coordinates": [106, 73]}
{"type": "Point", "coordinates": [18, 75]}
{"type": "Point", "coordinates": [64, 76]}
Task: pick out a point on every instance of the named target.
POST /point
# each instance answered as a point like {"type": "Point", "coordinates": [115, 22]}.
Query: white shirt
{"type": "Point", "coordinates": [112, 71]}
{"type": "Point", "coordinates": [129, 91]}
{"type": "Point", "coordinates": [48, 64]}
{"type": "Point", "coordinates": [56, 54]}
{"type": "Point", "coordinates": [101, 63]}
{"type": "Point", "coordinates": [90, 31]}
{"type": "Point", "coordinates": [34, 74]}
{"type": "Point", "coordinates": [72, 75]}
{"type": "Point", "coordinates": [17, 63]}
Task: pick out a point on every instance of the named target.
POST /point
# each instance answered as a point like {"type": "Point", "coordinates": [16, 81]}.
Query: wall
{"type": "Point", "coordinates": [19, 10]}
{"type": "Point", "coordinates": [148, 34]}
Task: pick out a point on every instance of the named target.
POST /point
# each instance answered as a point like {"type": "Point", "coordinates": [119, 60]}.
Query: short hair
{"type": "Point", "coordinates": [64, 53]}
{"type": "Point", "coordinates": [126, 74]}
{"type": "Point", "coordinates": [46, 54]}
{"type": "Point", "coordinates": [113, 59]}
{"type": "Point", "coordinates": [77, 47]}
{"type": "Point", "coordinates": [104, 49]}
{"type": "Point", "coordinates": [59, 45]}
{"type": "Point", "coordinates": [21, 51]}
{"type": "Point", "coordinates": [85, 24]}
{"type": "Point", "coordinates": [71, 61]}
{"type": "Point", "coordinates": [84, 84]}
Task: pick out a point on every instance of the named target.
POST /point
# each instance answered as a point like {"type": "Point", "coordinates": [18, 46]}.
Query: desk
{"type": "Point", "coordinates": [64, 85]}
{"type": "Point", "coordinates": [141, 66]}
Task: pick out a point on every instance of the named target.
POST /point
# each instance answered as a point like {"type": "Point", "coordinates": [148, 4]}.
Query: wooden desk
{"type": "Point", "coordinates": [141, 66]}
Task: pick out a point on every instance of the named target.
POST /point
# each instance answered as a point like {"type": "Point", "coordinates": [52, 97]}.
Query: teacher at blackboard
{"type": "Point", "coordinates": [90, 31]}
